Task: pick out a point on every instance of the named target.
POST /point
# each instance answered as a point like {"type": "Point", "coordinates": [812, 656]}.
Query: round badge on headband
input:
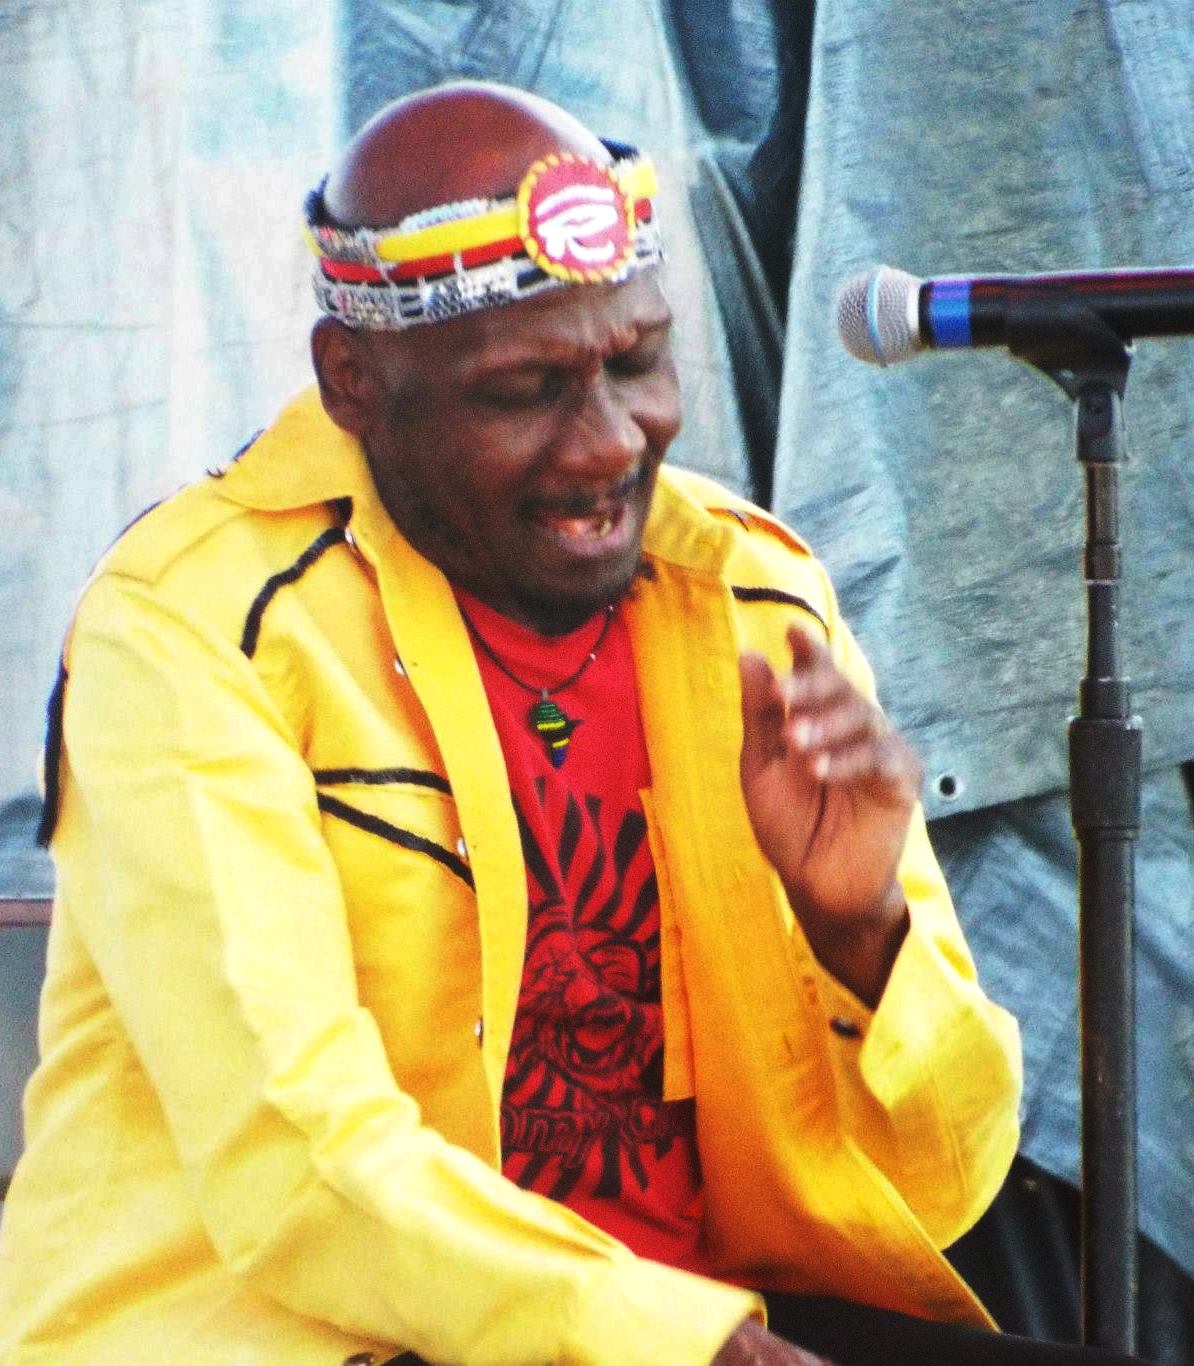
{"type": "Point", "coordinates": [572, 221]}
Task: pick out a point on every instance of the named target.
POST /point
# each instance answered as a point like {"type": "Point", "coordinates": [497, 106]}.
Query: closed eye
{"type": "Point", "coordinates": [630, 363]}
{"type": "Point", "coordinates": [641, 358]}
{"type": "Point", "coordinates": [517, 389]}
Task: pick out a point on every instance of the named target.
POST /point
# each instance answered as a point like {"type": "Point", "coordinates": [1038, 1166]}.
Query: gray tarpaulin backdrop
{"type": "Point", "coordinates": [153, 310]}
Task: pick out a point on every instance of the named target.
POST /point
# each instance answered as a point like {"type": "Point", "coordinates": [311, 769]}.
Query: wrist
{"type": "Point", "coordinates": [860, 948]}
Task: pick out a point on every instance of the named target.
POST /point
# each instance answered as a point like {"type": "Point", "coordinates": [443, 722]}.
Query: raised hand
{"type": "Point", "coordinates": [830, 790]}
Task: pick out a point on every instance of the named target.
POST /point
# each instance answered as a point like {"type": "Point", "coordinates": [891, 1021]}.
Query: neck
{"type": "Point", "coordinates": [551, 620]}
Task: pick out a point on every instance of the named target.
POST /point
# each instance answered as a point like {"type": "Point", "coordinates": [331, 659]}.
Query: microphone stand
{"type": "Point", "coordinates": [1089, 361]}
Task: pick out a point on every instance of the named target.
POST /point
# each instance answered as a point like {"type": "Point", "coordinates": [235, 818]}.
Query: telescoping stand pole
{"type": "Point", "coordinates": [1090, 363]}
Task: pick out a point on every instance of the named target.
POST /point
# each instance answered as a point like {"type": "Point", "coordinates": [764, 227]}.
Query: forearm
{"type": "Point", "coordinates": [933, 1074]}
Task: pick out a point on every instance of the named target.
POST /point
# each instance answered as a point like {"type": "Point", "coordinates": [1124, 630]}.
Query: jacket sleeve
{"type": "Point", "coordinates": [216, 920]}
{"type": "Point", "coordinates": [940, 1060]}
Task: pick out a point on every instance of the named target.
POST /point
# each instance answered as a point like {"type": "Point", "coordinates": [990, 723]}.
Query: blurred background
{"type": "Point", "coordinates": [154, 310]}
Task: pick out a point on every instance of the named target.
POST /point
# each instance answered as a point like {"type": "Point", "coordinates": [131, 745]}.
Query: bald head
{"type": "Point", "coordinates": [466, 140]}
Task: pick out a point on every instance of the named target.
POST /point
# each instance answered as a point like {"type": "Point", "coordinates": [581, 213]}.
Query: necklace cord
{"type": "Point", "coordinates": [572, 678]}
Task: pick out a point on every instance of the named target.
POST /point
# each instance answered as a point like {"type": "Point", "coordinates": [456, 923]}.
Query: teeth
{"type": "Point", "coordinates": [588, 528]}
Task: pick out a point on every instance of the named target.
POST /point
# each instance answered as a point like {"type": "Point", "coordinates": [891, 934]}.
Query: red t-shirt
{"type": "Point", "coordinates": [583, 1120]}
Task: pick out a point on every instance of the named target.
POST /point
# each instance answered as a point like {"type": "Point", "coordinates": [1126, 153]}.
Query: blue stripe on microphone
{"type": "Point", "coordinates": [949, 313]}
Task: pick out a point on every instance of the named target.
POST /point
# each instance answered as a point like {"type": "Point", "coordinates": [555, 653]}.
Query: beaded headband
{"type": "Point", "coordinates": [571, 221]}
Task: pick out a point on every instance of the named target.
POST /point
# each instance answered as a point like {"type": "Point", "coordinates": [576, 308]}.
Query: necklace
{"type": "Point", "coordinates": [546, 717]}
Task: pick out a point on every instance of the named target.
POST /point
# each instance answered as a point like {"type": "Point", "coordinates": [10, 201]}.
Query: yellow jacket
{"type": "Point", "coordinates": [286, 950]}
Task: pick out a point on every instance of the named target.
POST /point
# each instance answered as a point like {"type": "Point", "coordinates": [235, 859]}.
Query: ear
{"type": "Point", "coordinates": [347, 383]}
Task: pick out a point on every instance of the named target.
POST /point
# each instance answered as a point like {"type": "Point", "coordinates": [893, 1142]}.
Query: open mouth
{"type": "Point", "coordinates": [592, 528]}
{"type": "Point", "coordinates": [587, 520]}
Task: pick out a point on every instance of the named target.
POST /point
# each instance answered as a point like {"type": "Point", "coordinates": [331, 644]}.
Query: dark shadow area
{"type": "Point", "coordinates": [1022, 1258]}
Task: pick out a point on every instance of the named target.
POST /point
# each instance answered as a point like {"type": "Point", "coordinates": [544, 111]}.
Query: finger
{"type": "Point", "coordinates": [805, 647]}
{"type": "Point", "coordinates": [815, 688]}
{"type": "Point", "coordinates": [886, 765]}
{"type": "Point", "coordinates": [847, 719]}
{"type": "Point", "coordinates": [763, 713]}
{"type": "Point", "coordinates": [814, 678]}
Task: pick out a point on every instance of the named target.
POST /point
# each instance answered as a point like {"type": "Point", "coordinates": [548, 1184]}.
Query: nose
{"type": "Point", "coordinates": [602, 438]}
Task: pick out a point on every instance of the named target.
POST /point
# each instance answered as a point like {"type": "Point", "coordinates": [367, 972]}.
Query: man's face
{"type": "Point", "coordinates": [517, 447]}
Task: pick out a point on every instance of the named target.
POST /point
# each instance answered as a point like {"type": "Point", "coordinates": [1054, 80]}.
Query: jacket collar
{"type": "Point", "coordinates": [300, 460]}
{"type": "Point", "coordinates": [303, 459]}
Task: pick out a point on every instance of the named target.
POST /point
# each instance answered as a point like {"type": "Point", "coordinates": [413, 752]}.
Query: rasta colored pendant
{"type": "Point", "coordinates": [547, 719]}
{"type": "Point", "coordinates": [553, 727]}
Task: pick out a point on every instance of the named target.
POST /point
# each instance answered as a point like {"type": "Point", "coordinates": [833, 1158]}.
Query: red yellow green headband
{"type": "Point", "coordinates": [573, 220]}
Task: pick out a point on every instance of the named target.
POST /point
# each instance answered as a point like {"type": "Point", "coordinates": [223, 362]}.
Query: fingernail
{"type": "Point", "coordinates": [821, 766]}
{"type": "Point", "coordinates": [802, 734]}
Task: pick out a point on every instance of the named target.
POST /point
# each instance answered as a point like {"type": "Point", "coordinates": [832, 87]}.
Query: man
{"type": "Point", "coordinates": [494, 919]}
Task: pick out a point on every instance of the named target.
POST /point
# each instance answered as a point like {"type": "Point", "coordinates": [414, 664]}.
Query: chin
{"type": "Point", "coordinates": [554, 610]}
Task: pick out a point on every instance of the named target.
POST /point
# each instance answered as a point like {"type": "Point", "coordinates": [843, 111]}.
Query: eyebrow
{"type": "Point", "coordinates": [553, 351]}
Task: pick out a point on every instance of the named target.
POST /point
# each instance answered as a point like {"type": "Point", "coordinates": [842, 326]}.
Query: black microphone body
{"type": "Point", "coordinates": [887, 315]}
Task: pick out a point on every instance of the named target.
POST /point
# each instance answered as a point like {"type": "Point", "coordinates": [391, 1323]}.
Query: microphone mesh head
{"type": "Point", "coordinates": [877, 316]}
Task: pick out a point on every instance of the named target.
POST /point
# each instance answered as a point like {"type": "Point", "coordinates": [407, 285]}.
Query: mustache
{"type": "Point", "coordinates": [585, 503]}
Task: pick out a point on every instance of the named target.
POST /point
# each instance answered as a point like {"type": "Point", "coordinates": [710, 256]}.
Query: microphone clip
{"type": "Point", "coordinates": [1066, 341]}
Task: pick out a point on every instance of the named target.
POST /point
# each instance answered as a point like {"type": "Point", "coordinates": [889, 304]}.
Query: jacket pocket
{"type": "Point", "coordinates": [412, 917]}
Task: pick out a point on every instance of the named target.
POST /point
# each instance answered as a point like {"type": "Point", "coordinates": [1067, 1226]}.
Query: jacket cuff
{"type": "Point", "coordinates": [931, 1011]}
{"type": "Point", "coordinates": [642, 1312]}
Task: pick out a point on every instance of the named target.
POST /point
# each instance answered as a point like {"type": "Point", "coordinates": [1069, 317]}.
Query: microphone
{"type": "Point", "coordinates": [887, 315]}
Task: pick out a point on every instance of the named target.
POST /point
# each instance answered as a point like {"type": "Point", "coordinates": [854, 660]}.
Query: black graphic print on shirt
{"type": "Point", "coordinates": [582, 1104]}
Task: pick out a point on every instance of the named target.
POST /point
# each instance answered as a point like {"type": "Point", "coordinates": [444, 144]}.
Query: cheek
{"type": "Point", "coordinates": [497, 460]}
{"type": "Point", "coordinates": [440, 463]}
{"type": "Point", "coordinates": [422, 485]}
{"type": "Point", "coordinates": [476, 497]}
